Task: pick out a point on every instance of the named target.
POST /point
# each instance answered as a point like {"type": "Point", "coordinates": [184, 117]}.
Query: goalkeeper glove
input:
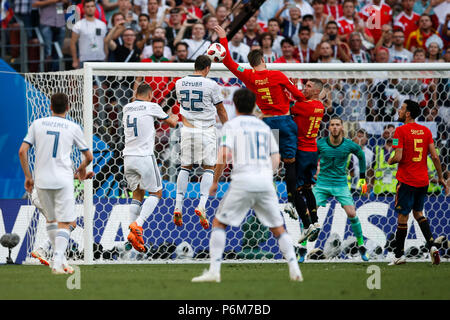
{"type": "Point", "coordinates": [363, 185]}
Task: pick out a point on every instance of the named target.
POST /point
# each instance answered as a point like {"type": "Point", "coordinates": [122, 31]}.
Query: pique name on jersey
{"type": "Point", "coordinates": [191, 84]}
{"type": "Point", "coordinates": [55, 124]}
{"type": "Point", "coordinates": [417, 132]}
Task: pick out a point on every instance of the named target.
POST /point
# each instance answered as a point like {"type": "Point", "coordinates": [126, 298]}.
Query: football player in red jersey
{"type": "Point", "coordinates": [412, 143]}
{"type": "Point", "coordinates": [308, 117]}
{"type": "Point", "coordinates": [269, 87]}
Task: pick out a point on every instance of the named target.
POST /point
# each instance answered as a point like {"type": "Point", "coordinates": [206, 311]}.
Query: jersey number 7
{"type": "Point", "coordinates": [55, 142]}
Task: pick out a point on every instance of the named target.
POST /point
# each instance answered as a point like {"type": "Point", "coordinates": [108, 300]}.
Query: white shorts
{"type": "Point", "coordinates": [198, 146]}
{"type": "Point", "coordinates": [237, 202]}
{"type": "Point", "coordinates": [58, 204]}
{"type": "Point", "coordinates": [142, 172]}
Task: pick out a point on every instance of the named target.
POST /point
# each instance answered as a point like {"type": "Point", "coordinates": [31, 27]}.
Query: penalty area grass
{"type": "Point", "coordinates": [258, 281]}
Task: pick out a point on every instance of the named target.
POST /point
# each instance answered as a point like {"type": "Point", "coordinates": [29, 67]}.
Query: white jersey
{"type": "Point", "coordinates": [53, 138]}
{"type": "Point", "coordinates": [139, 129]}
{"type": "Point", "coordinates": [198, 97]}
{"type": "Point", "coordinates": [251, 143]}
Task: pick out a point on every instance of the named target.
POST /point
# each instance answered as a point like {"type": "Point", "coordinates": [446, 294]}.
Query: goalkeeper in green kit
{"type": "Point", "coordinates": [332, 178]}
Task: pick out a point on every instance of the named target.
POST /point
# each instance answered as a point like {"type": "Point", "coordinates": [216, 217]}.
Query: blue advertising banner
{"type": "Point", "coordinates": [377, 218]}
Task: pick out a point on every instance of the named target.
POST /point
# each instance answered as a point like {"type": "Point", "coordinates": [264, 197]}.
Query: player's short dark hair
{"type": "Point", "coordinates": [413, 108]}
{"type": "Point", "coordinates": [335, 117]}
{"type": "Point", "coordinates": [244, 100]}
{"type": "Point", "coordinates": [317, 82]}
{"type": "Point", "coordinates": [304, 28]}
{"type": "Point", "coordinates": [287, 40]}
{"type": "Point", "coordinates": [156, 40]}
{"type": "Point", "coordinates": [144, 15]}
{"type": "Point", "coordinates": [255, 56]}
{"type": "Point", "coordinates": [143, 89]}
{"type": "Point", "coordinates": [202, 62]}
{"type": "Point", "coordinates": [59, 102]}
{"type": "Point", "coordinates": [87, 1]}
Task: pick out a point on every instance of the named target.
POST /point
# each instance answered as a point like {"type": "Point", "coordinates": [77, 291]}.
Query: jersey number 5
{"type": "Point", "coordinates": [418, 149]}
{"type": "Point", "coordinates": [55, 142]}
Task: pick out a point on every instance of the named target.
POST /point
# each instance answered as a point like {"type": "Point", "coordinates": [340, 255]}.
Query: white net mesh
{"type": "Point", "coordinates": [366, 100]}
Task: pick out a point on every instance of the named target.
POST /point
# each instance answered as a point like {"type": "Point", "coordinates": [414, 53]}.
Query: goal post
{"type": "Point", "coordinates": [366, 96]}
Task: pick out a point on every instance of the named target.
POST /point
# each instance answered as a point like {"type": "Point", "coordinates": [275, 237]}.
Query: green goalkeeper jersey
{"type": "Point", "coordinates": [333, 162]}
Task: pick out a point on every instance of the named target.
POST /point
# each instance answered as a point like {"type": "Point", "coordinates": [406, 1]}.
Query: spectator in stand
{"type": "Point", "coordinates": [252, 30]}
{"type": "Point", "coordinates": [288, 49]}
{"type": "Point", "coordinates": [350, 22]}
{"type": "Point", "coordinates": [174, 26]}
{"type": "Point", "coordinates": [419, 56]}
{"type": "Point", "coordinates": [22, 11]}
{"type": "Point", "coordinates": [290, 25]}
{"type": "Point", "coordinates": [205, 6]}
{"type": "Point", "coordinates": [266, 43]}
{"type": "Point", "coordinates": [222, 15]}
{"type": "Point", "coordinates": [158, 51]}
{"type": "Point", "coordinates": [110, 7]}
{"type": "Point", "coordinates": [89, 33]}
{"type": "Point", "coordinates": [303, 5]}
{"type": "Point", "coordinates": [159, 33]}
{"type": "Point", "coordinates": [398, 53]}
{"type": "Point", "coordinates": [424, 6]}
{"type": "Point", "coordinates": [434, 50]}
{"type": "Point", "coordinates": [326, 53]}
{"type": "Point", "coordinates": [190, 10]}
{"type": "Point", "coordinates": [407, 20]}
{"type": "Point", "coordinates": [340, 49]}
{"type": "Point", "coordinates": [144, 36]}
{"type": "Point", "coordinates": [181, 53]}
{"type": "Point", "coordinates": [238, 49]}
{"type": "Point", "coordinates": [382, 55]}
{"type": "Point", "coordinates": [376, 14]}
{"type": "Point", "coordinates": [386, 40]}
{"type": "Point", "coordinates": [273, 27]}
{"type": "Point", "coordinates": [99, 11]}
{"type": "Point", "coordinates": [126, 51]}
{"type": "Point", "coordinates": [52, 24]}
{"type": "Point", "coordinates": [333, 8]}
{"type": "Point", "coordinates": [320, 17]}
{"type": "Point", "coordinates": [210, 22]}
{"type": "Point", "coordinates": [197, 44]}
{"type": "Point", "coordinates": [314, 37]}
{"type": "Point", "coordinates": [358, 55]}
{"type": "Point", "coordinates": [118, 21]}
{"type": "Point", "coordinates": [269, 9]}
{"type": "Point", "coordinates": [418, 38]}
{"type": "Point", "coordinates": [303, 51]}
{"type": "Point", "coordinates": [131, 18]}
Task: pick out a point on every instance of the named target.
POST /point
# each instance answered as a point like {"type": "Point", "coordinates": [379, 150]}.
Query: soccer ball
{"type": "Point", "coordinates": [216, 52]}
{"type": "Point", "coordinates": [184, 251]}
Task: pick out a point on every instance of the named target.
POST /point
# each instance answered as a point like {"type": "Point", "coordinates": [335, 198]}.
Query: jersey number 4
{"type": "Point", "coordinates": [132, 125]}
{"type": "Point", "coordinates": [191, 97]}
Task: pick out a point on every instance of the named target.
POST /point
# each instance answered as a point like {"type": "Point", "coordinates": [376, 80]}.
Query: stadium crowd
{"type": "Point", "coordinates": [293, 31]}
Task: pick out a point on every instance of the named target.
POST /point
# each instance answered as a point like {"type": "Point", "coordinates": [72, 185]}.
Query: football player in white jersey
{"type": "Point", "coordinates": [250, 146]}
{"type": "Point", "coordinates": [200, 100]}
{"type": "Point", "coordinates": [141, 170]}
{"type": "Point", "coordinates": [53, 138]}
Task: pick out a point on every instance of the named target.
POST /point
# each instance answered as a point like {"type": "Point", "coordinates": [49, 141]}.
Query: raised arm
{"type": "Point", "coordinates": [287, 84]}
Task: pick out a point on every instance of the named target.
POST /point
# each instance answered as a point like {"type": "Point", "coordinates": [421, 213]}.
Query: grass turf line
{"type": "Point", "coordinates": [239, 282]}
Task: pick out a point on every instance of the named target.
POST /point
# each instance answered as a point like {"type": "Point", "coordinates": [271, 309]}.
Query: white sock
{"type": "Point", "coordinates": [52, 229]}
{"type": "Point", "coordinates": [287, 249]}
{"type": "Point", "coordinates": [147, 209]}
{"type": "Point", "coordinates": [182, 183]}
{"type": "Point", "coordinates": [205, 184]}
{"type": "Point", "coordinates": [134, 209]}
{"type": "Point", "coordinates": [61, 241]}
{"type": "Point", "coordinates": [216, 248]}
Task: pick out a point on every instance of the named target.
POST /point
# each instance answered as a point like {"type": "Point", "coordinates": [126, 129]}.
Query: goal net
{"type": "Point", "coordinates": [365, 96]}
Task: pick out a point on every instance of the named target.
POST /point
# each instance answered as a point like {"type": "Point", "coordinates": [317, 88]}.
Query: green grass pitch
{"type": "Point", "coordinates": [239, 282]}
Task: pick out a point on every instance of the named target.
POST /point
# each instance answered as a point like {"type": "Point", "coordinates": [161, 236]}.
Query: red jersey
{"type": "Point", "coordinates": [414, 139]}
{"type": "Point", "coordinates": [282, 59]}
{"type": "Point", "coordinates": [375, 17]}
{"type": "Point", "coordinates": [308, 116]}
{"type": "Point", "coordinates": [268, 85]}
{"type": "Point", "coordinates": [336, 11]}
{"type": "Point", "coordinates": [345, 26]}
{"type": "Point", "coordinates": [418, 39]}
{"type": "Point", "coordinates": [407, 23]}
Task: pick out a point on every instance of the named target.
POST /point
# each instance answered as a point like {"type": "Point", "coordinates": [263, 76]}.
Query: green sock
{"type": "Point", "coordinates": [356, 228]}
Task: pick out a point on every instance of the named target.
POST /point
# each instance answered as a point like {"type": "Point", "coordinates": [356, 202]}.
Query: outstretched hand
{"type": "Point", "coordinates": [363, 184]}
{"type": "Point", "coordinates": [220, 31]}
